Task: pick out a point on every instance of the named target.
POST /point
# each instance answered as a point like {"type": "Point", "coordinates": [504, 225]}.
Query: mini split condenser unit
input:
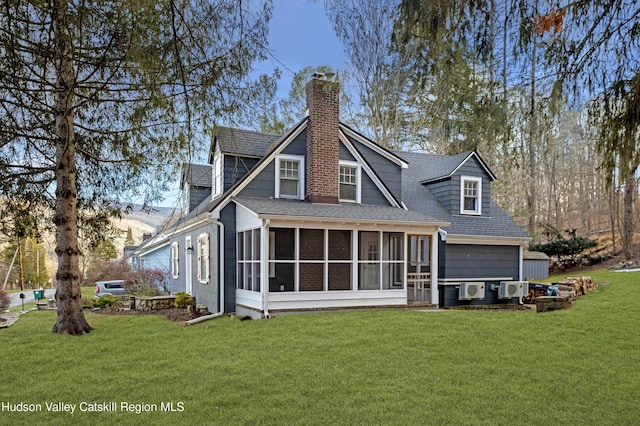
{"type": "Point", "coordinates": [511, 289]}
{"type": "Point", "coordinates": [470, 291]}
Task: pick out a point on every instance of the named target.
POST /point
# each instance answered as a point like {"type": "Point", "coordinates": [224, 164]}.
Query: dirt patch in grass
{"type": "Point", "coordinates": [172, 314]}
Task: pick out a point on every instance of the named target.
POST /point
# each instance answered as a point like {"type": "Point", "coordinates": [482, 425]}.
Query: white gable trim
{"type": "Point", "coordinates": [482, 163]}
{"type": "Point", "coordinates": [377, 148]}
{"type": "Point", "coordinates": [266, 160]}
{"type": "Point", "coordinates": [369, 171]}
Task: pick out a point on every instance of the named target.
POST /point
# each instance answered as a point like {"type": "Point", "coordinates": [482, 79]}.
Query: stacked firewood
{"type": "Point", "coordinates": [570, 286]}
{"type": "Point", "coordinates": [576, 287]}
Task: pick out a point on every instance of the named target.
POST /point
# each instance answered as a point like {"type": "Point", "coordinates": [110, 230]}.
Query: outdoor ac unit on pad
{"type": "Point", "coordinates": [511, 289]}
{"type": "Point", "coordinates": [470, 291]}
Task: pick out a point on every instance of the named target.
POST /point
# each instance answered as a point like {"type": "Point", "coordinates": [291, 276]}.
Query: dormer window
{"type": "Point", "coordinates": [289, 177]}
{"type": "Point", "coordinates": [349, 177]}
{"type": "Point", "coordinates": [471, 195]}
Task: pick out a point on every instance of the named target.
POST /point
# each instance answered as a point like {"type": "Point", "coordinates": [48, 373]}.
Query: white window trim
{"type": "Point", "coordinates": [218, 161]}
{"type": "Point", "coordinates": [203, 256]}
{"type": "Point", "coordinates": [478, 181]}
{"type": "Point", "coordinates": [175, 260]}
{"type": "Point", "coordinates": [301, 175]}
{"type": "Point", "coordinates": [358, 181]}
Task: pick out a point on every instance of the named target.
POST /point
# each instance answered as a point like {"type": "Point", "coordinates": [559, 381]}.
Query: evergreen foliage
{"type": "Point", "coordinates": [566, 250]}
{"type": "Point", "coordinates": [99, 97]}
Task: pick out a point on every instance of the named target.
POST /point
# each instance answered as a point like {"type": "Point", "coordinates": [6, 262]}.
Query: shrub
{"type": "Point", "coordinates": [183, 300]}
{"type": "Point", "coordinates": [147, 282]}
{"type": "Point", "coordinates": [567, 251]}
{"type": "Point", "coordinates": [107, 271]}
{"type": "Point", "coordinates": [104, 301]}
{"type": "Point", "coordinates": [5, 301]}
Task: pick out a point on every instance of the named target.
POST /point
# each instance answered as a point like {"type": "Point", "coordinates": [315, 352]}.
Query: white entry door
{"type": "Point", "coordinates": [370, 268]}
{"type": "Point", "coordinates": [188, 273]}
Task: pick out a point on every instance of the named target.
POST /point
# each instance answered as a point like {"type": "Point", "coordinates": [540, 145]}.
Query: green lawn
{"type": "Point", "coordinates": [576, 366]}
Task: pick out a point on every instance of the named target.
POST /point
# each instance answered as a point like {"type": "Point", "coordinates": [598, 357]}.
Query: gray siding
{"type": "Point", "coordinates": [298, 146]}
{"type": "Point", "coordinates": [345, 154]}
{"type": "Point", "coordinates": [197, 194]}
{"type": "Point", "coordinates": [471, 168]}
{"type": "Point", "coordinates": [476, 261]}
{"type": "Point", "coordinates": [443, 192]}
{"type": "Point", "coordinates": [263, 184]}
{"type": "Point", "coordinates": [228, 217]}
{"type": "Point", "coordinates": [447, 191]}
{"type": "Point", "coordinates": [388, 172]}
{"type": "Point", "coordinates": [206, 294]}
{"type": "Point", "coordinates": [370, 194]}
{"type": "Point", "coordinates": [235, 168]}
{"type": "Point", "coordinates": [465, 261]}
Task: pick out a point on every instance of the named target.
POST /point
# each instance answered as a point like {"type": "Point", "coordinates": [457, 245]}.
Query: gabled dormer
{"type": "Point", "coordinates": [195, 183]}
{"type": "Point", "coordinates": [462, 183]}
{"type": "Point", "coordinates": [233, 153]}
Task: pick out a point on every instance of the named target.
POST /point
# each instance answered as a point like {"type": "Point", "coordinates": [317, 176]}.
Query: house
{"type": "Point", "coordinates": [322, 218]}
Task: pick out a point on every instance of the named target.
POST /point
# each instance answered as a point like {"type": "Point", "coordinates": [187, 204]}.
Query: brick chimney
{"type": "Point", "coordinates": [323, 142]}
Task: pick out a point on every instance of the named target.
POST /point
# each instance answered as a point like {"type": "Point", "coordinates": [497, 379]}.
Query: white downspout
{"type": "Point", "coordinates": [264, 275]}
{"type": "Point", "coordinates": [220, 226]}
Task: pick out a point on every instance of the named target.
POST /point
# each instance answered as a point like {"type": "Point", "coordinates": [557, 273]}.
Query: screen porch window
{"type": "Point", "coordinates": [248, 272]}
{"type": "Point", "coordinates": [471, 193]}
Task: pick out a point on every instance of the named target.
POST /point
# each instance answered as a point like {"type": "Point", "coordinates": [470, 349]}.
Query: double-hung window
{"type": "Point", "coordinates": [349, 178]}
{"type": "Point", "coordinates": [471, 195]}
{"type": "Point", "coordinates": [289, 176]}
{"type": "Point", "coordinates": [203, 258]}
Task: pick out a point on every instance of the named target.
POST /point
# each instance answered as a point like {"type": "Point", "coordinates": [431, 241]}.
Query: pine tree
{"type": "Point", "coordinates": [99, 96]}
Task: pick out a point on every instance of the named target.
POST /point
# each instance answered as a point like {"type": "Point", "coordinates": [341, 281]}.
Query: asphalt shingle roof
{"type": "Point", "coordinates": [418, 197]}
{"type": "Point", "coordinates": [197, 175]}
{"type": "Point", "coordinates": [245, 143]}
{"type": "Point", "coordinates": [298, 208]}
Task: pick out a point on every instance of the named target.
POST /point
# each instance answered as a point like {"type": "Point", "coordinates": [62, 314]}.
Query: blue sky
{"type": "Point", "coordinates": [300, 34]}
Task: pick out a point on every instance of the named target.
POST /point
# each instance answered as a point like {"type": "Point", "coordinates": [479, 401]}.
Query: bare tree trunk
{"type": "Point", "coordinates": [532, 198]}
{"type": "Point", "coordinates": [71, 318]}
{"type": "Point", "coordinates": [628, 218]}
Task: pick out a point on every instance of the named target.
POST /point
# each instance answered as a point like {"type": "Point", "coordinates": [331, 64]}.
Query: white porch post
{"type": "Point", "coordinates": [264, 266]}
{"type": "Point", "coordinates": [435, 297]}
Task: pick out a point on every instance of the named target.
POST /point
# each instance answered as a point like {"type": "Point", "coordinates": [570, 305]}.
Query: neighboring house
{"type": "Point", "coordinates": [322, 218]}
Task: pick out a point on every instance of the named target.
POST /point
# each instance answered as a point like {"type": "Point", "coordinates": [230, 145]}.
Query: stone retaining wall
{"type": "Point", "coordinates": [154, 303]}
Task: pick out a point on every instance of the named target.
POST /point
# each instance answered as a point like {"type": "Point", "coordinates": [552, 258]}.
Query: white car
{"type": "Point", "coordinates": [110, 288]}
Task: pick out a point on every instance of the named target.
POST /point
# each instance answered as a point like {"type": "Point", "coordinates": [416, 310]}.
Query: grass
{"type": "Point", "coordinates": [576, 366]}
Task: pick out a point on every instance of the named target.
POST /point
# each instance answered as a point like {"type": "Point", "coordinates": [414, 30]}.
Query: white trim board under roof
{"type": "Point", "coordinates": [373, 146]}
